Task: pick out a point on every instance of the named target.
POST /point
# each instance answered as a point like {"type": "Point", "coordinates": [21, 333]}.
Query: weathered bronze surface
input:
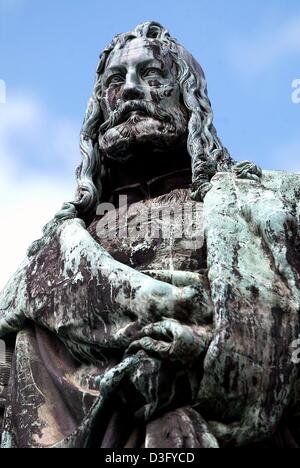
{"type": "Point", "coordinates": [166, 322]}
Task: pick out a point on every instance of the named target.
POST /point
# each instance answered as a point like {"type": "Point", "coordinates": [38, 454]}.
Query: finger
{"type": "Point", "coordinates": [158, 348]}
{"type": "Point", "coordinates": [185, 344]}
{"type": "Point", "coordinates": [179, 279]}
{"type": "Point", "coordinates": [158, 329]}
{"type": "Point", "coordinates": [247, 167]}
{"type": "Point", "coordinates": [110, 381]}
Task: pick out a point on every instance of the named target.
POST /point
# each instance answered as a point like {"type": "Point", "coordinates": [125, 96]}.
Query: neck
{"type": "Point", "coordinates": [147, 165]}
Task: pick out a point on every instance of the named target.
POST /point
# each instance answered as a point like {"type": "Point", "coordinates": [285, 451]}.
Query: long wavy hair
{"type": "Point", "coordinates": [207, 153]}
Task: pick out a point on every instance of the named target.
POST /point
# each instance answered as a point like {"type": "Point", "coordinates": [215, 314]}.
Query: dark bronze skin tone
{"type": "Point", "coordinates": [175, 327]}
{"type": "Point", "coordinates": [141, 71]}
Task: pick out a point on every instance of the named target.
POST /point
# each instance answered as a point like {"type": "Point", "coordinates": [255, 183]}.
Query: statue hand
{"type": "Point", "coordinates": [158, 369]}
{"type": "Point", "coordinates": [13, 299]}
{"type": "Point", "coordinates": [148, 385]}
{"type": "Point", "coordinates": [202, 310]}
{"type": "Point", "coordinates": [247, 170]}
{"type": "Point", "coordinates": [156, 300]}
{"type": "Point", "coordinates": [170, 340]}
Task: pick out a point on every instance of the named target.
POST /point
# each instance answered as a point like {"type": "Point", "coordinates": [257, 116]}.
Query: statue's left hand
{"type": "Point", "coordinates": [247, 170]}
{"type": "Point", "coordinates": [13, 302]}
{"type": "Point", "coordinates": [158, 369]}
{"type": "Point", "coordinates": [170, 340]}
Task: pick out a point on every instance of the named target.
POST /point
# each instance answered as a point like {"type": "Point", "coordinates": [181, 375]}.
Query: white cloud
{"type": "Point", "coordinates": [32, 191]}
{"type": "Point", "coordinates": [30, 137]}
{"type": "Point", "coordinates": [257, 55]}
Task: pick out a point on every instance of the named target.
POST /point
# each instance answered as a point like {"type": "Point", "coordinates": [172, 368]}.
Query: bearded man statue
{"type": "Point", "coordinates": [160, 308]}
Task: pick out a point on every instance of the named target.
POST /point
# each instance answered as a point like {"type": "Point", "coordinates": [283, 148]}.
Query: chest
{"type": "Point", "coordinates": [163, 233]}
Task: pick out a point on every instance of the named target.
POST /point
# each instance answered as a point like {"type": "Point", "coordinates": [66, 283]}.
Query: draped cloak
{"type": "Point", "coordinates": [242, 390]}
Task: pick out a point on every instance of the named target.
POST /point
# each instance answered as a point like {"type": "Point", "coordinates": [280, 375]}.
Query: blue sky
{"type": "Point", "coordinates": [49, 51]}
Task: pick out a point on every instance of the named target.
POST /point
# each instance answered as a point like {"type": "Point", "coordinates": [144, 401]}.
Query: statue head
{"type": "Point", "coordinates": [140, 100]}
{"type": "Point", "coordinates": [149, 90]}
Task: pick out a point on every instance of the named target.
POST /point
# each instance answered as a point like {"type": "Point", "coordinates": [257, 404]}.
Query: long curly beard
{"type": "Point", "coordinates": [140, 122]}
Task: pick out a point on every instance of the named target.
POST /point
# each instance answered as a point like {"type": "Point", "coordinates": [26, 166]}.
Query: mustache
{"type": "Point", "coordinates": [146, 108]}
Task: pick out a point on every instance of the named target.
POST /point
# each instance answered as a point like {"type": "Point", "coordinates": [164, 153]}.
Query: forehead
{"type": "Point", "coordinates": [135, 51]}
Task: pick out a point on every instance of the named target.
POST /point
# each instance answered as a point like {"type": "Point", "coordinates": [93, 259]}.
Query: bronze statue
{"type": "Point", "coordinates": [159, 308]}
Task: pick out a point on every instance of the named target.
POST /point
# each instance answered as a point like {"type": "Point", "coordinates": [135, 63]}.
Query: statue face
{"type": "Point", "coordinates": [141, 100]}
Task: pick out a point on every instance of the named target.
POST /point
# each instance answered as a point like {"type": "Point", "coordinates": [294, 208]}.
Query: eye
{"type": "Point", "coordinates": [152, 72]}
{"type": "Point", "coordinates": [115, 79]}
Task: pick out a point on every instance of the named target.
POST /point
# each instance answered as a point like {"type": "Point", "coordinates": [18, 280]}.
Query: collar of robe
{"type": "Point", "coordinates": [180, 179]}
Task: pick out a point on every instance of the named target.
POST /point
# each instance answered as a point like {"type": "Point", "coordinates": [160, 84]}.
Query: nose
{"type": "Point", "coordinates": [132, 88]}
